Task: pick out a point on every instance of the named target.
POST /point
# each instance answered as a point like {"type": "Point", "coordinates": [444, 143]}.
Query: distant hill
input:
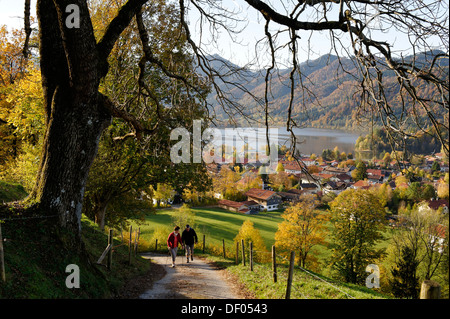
{"type": "Point", "coordinates": [329, 98]}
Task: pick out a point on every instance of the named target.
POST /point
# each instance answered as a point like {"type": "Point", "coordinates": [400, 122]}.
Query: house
{"type": "Point", "coordinates": [310, 188]}
{"type": "Point", "coordinates": [305, 178]}
{"type": "Point", "coordinates": [334, 187]}
{"type": "Point", "coordinates": [251, 204]}
{"type": "Point", "coordinates": [289, 197]}
{"type": "Point", "coordinates": [345, 178]}
{"type": "Point", "coordinates": [360, 185]}
{"type": "Point", "coordinates": [401, 164]}
{"type": "Point", "coordinates": [375, 175]}
{"type": "Point", "coordinates": [435, 204]}
{"type": "Point", "coordinates": [392, 185]}
{"type": "Point", "coordinates": [266, 199]}
{"type": "Point", "coordinates": [246, 207]}
{"type": "Point", "coordinates": [437, 237]}
{"type": "Point", "coordinates": [291, 167]}
{"type": "Point", "coordinates": [308, 161]}
{"type": "Point", "coordinates": [336, 170]}
{"type": "Point", "coordinates": [322, 177]}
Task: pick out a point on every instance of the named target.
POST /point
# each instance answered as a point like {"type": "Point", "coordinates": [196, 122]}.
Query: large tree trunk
{"type": "Point", "coordinates": [75, 113]}
{"type": "Point", "coordinates": [72, 66]}
{"type": "Point", "coordinates": [70, 146]}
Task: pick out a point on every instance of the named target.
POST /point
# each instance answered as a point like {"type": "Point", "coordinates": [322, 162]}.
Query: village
{"type": "Point", "coordinates": [245, 188]}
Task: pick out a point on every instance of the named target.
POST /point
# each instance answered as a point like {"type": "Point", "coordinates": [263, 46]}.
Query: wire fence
{"type": "Point", "coordinates": [132, 242]}
{"type": "Point", "coordinates": [11, 219]}
{"type": "Point", "coordinates": [274, 265]}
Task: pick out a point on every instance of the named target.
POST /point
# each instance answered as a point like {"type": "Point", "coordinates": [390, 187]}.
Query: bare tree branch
{"type": "Point", "coordinates": [116, 111]}
{"type": "Point", "coordinates": [115, 28]}
{"type": "Point", "coordinates": [27, 29]}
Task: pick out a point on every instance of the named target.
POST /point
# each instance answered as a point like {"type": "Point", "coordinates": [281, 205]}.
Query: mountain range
{"type": "Point", "coordinates": [328, 98]}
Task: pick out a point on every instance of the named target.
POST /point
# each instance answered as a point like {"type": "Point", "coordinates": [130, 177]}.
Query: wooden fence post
{"type": "Point", "coordinates": [430, 290]}
{"type": "Point", "coordinates": [251, 256]}
{"type": "Point", "coordinates": [204, 240]}
{"type": "Point", "coordinates": [274, 264]}
{"type": "Point", "coordinates": [130, 245]}
{"type": "Point", "coordinates": [110, 242]}
{"type": "Point", "coordinates": [2, 256]}
{"type": "Point", "coordinates": [237, 253]}
{"type": "Point", "coordinates": [243, 252]}
{"type": "Point", "coordinates": [291, 274]}
{"type": "Point", "coordinates": [136, 241]}
{"type": "Point", "coordinates": [156, 244]}
{"type": "Point", "coordinates": [223, 245]}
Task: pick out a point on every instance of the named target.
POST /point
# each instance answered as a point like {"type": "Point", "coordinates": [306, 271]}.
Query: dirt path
{"type": "Point", "coordinates": [194, 280]}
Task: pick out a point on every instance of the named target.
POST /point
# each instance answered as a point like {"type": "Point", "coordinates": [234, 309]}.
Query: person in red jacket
{"type": "Point", "coordinates": [173, 241]}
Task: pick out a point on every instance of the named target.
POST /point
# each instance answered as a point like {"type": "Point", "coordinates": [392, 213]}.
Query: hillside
{"type": "Point", "coordinates": [330, 97]}
{"type": "Point", "coordinates": [218, 225]}
{"type": "Point", "coordinates": [36, 260]}
{"type": "Point", "coordinates": [11, 192]}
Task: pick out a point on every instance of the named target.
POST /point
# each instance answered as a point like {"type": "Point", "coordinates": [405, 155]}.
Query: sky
{"type": "Point", "coordinates": [11, 14]}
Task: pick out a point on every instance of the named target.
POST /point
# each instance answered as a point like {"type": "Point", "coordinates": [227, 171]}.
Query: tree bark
{"type": "Point", "coordinates": [100, 213]}
{"type": "Point", "coordinates": [72, 66]}
{"type": "Point", "coordinates": [76, 116]}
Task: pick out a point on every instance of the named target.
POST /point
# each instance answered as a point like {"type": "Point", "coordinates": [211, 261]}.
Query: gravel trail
{"type": "Point", "coordinates": [194, 280]}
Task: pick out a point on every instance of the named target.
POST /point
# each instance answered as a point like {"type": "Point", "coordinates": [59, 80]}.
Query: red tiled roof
{"type": "Point", "coordinates": [229, 203]}
{"type": "Point", "coordinates": [291, 165]}
{"type": "Point", "coordinates": [323, 176]}
{"type": "Point", "coordinates": [360, 183]}
{"type": "Point", "coordinates": [435, 204]}
{"type": "Point", "coordinates": [259, 193]}
{"type": "Point", "coordinates": [374, 172]}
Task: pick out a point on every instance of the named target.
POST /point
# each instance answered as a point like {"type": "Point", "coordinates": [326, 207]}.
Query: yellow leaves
{"type": "Point", "coordinates": [249, 233]}
{"type": "Point", "coordinates": [302, 229]}
{"type": "Point", "coordinates": [21, 110]}
{"type": "Point", "coordinates": [102, 12]}
{"type": "Point", "coordinates": [21, 100]}
{"type": "Point", "coordinates": [443, 190]}
{"type": "Point", "coordinates": [11, 57]}
{"type": "Point", "coordinates": [23, 105]}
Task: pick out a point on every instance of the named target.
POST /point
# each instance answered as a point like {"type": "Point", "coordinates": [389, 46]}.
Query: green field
{"type": "Point", "coordinates": [218, 224]}
{"type": "Point", "coordinates": [215, 223]}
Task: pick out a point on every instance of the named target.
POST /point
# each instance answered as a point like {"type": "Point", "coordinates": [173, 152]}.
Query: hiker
{"type": "Point", "coordinates": [173, 241]}
{"type": "Point", "coordinates": [188, 238]}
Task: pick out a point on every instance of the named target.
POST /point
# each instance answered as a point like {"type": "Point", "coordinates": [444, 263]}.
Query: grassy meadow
{"type": "Point", "coordinates": [215, 223]}
{"type": "Point", "coordinates": [218, 224]}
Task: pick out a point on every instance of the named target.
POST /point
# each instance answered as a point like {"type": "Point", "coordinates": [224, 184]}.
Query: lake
{"type": "Point", "coordinates": [315, 140]}
{"type": "Point", "coordinates": [309, 140]}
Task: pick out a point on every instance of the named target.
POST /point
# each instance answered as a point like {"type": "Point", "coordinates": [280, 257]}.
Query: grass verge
{"type": "Point", "coordinates": [305, 285]}
{"type": "Point", "coordinates": [36, 261]}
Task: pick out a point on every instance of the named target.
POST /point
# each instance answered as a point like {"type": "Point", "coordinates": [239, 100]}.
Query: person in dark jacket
{"type": "Point", "coordinates": [173, 241]}
{"type": "Point", "coordinates": [189, 238]}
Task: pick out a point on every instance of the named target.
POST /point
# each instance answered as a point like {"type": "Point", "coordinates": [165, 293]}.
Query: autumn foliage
{"type": "Point", "coordinates": [302, 229]}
